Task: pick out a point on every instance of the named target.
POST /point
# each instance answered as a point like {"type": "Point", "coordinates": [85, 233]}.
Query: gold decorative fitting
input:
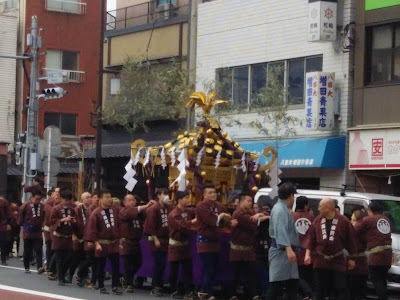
{"type": "Point", "coordinates": [220, 142]}
{"type": "Point", "coordinates": [209, 150]}
{"type": "Point", "coordinates": [206, 102]}
{"type": "Point", "coordinates": [168, 145]}
{"type": "Point", "coordinates": [218, 147]}
{"type": "Point", "coordinates": [229, 152]}
{"type": "Point", "coordinates": [209, 131]}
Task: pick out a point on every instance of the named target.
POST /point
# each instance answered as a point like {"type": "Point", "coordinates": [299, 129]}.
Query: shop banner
{"type": "Point", "coordinates": [322, 21]}
{"type": "Point", "coordinates": [320, 95]}
{"type": "Point", "coordinates": [374, 149]}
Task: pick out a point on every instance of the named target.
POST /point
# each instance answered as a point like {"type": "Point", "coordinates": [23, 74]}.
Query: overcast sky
{"type": "Point", "coordinates": [111, 4]}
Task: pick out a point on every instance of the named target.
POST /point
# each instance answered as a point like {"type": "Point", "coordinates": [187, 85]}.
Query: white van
{"type": "Point", "coordinates": [347, 201]}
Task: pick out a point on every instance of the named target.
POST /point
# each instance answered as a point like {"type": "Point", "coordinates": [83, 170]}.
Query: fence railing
{"type": "Point", "coordinates": [146, 13]}
{"type": "Point", "coordinates": [72, 7]}
{"type": "Point", "coordinates": [68, 75]}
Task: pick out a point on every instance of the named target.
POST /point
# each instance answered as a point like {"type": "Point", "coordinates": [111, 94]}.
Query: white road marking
{"type": "Point", "coordinates": [36, 293]}
{"type": "Point", "coordinates": [15, 268]}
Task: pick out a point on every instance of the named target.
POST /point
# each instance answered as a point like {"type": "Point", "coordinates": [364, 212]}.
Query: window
{"type": "Point", "coordinates": [235, 83]}
{"type": "Point", "coordinates": [66, 122]}
{"type": "Point", "coordinates": [115, 86]}
{"type": "Point", "coordinates": [383, 54]}
{"type": "Point", "coordinates": [62, 60]}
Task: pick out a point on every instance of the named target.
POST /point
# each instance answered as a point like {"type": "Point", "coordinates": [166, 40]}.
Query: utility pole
{"type": "Point", "coordinates": [31, 149]}
{"type": "Point", "coordinates": [100, 97]}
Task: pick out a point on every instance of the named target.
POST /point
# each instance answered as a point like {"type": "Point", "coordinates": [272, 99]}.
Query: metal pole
{"type": "Point", "coordinates": [31, 134]}
{"type": "Point", "coordinates": [100, 99]}
{"type": "Point", "coordinates": [49, 162]}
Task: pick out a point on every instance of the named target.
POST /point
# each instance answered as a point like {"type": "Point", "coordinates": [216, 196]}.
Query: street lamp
{"type": "Point", "coordinates": [3, 168]}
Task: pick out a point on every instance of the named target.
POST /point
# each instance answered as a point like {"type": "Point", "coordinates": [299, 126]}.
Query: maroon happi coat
{"type": "Point", "coordinates": [157, 224]}
{"type": "Point", "coordinates": [361, 267]}
{"type": "Point", "coordinates": [93, 207]}
{"type": "Point", "coordinates": [179, 225]}
{"type": "Point", "coordinates": [340, 237]}
{"type": "Point", "coordinates": [105, 230]}
{"type": "Point", "coordinates": [31, 220]}
{"type": "Point", "coordinates": [302, 220]}
{"type": "Point", "coordinates": [65, 229]}
{"type": "Point", "coordinates": [5, 214]}
{"type": "Point", "coordinates": [81, 220]}
{"type": "Point", "coordinates": [208, 230]}
{"type": "Point", "coordinates": [377, 232]}
{"type": "Point", "coordinates": [243, 235]}
{"type": "Point", "coordinates": [131, 230]}
{"type": "Point", "coordinates": [48, 205]}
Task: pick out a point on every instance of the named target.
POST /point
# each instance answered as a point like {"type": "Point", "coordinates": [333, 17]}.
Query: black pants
{"type": "Point", "coordinates": [78, 257]}
{"type": "Point", "coordinates": [101, 263]}
{"type": "Point", "coordinates": [187, 275]}
{"type": "Point", "coordinates": [209, 261]}
{"type": "Point", "coordinates": [249, 270]}
{"type": "Point", "coordinates": [53, 263]}
{"type": "Point", "coordinates": [63, 260]}
{"type": "Point", "coordinates": [90, 261]}
{"type": "Point", "coordinates": [4, 246]}
{"type": "Point", "coordinates": [378, 275]}
{"type": "Point", "coordinates": [160, 261]}
{"type": "Point", "coordinates": [14, 238]}
{"type": "Point", "coordinates": [31, 245]}
{"type": "Point", "coordinates": [358, 286]}
{"type": "Point", "coordinates": [306, 281]}
{"type": "Point", "coordinates": [330, 280]}
{"type": "Point", "coordinates": [49, 254]}
{"type": "Point", "coordinates": [132, 264]}
{"type": "Point", "coordinates": [275, 289]}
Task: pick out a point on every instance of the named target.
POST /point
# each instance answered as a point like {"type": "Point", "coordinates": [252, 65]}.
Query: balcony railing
{"type": "Point", "coordinates": [8, 5]}
{"type": "Point", "coordinates": [68, 76]}
{"type": "Point", "coordinates": [146, 13]}
{"type": "Point", "coordinates": [71, 7]}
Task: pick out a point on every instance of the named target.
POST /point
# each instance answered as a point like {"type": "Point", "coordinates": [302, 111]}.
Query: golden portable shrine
{"type": "Point", "coordinates": [206, 155]}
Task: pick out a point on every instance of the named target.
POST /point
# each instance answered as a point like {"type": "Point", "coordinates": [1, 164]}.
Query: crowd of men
{"type": "Point", "coordinates": [271, 252]}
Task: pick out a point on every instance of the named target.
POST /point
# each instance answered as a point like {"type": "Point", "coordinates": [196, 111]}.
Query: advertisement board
{"type": "Point", "coordinates": [374, 149]}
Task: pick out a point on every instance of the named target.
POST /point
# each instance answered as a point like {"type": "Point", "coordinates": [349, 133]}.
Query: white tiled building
{"type": "Point", "coordinates": [241, 38]}
{"type": "Point", "coordinates": [8, 46]}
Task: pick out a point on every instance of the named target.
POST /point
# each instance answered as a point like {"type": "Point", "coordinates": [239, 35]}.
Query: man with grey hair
{"type": "Point", "coordinates": [329, 235]}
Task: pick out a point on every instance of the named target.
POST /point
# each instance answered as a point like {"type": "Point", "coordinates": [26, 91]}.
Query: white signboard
{"type": "Point", "coordinates": [374, 149]}
{"type": "Point", "coordinates": [322, 21]}
{"type": "Point", "coordinates": [54, 77]}
{"type": "Point", "coordinates": [320, 94]}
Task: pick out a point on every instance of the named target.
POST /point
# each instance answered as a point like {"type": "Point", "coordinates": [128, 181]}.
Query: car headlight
{"type": "Point", "coordinates": [396, 258]}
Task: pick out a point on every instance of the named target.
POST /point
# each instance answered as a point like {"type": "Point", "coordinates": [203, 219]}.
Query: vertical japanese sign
{"type": "Point", "coordinates": [319, 100]}
{"type": "Point", "coordinates": [322, 20]}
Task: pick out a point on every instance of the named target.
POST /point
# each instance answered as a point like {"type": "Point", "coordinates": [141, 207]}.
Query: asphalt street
{"type": "Point", "coordinates": [16, 285]}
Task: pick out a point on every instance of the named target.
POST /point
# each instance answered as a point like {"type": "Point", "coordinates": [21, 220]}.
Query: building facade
{"type": "Point", "coordinates": [375, 133]}
{"type": "Point", "coordinates": [239, 42]}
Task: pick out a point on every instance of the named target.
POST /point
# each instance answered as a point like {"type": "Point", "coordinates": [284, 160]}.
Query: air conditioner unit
{"type": "Point", "coordinates": [166, 10]}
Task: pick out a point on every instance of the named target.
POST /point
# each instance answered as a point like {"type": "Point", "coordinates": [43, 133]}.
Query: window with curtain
{"type": "Point", "coordinates": [383, 54]}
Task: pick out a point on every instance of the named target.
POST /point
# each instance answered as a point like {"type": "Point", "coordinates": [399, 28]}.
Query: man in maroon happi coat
{"type": "Point", "coordinates": [131, 219]}
{"type": "Point", "coordinates": [242, 255]}
{"type": "Point", "coordinates": [329, 235]}
{"type": "Point", "coordinates": [209, 213]}
{"type": "Point", "coordinates": [79, 255]}
{"type": "Point", "coordinates": [376, 230]}
{"type": "Point", "coordinates": [5, 229]}
{"type": "Point", "coordinates": [180, 221]}
{"type": "Point", "coordinates": [63, 225]}
{"type": "Point", "coordinates": [52, 201]}
{"type": "Point", "coordinates": [156, 228]}
{"type": "Point", "coordinates": [103, 231]}
{"type": "Point", "coordinates": [359, 275]}
{"type": "Point", "coordinates": [31, 217]}
{"type": "Point", "coordinates": [303, 218]}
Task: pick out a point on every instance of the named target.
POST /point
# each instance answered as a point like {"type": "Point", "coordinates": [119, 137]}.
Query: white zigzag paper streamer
{"type": "Point", "coordinates": [163, 160]}
{"type": "Point", "coordinates": [137, 156]}
{"type": "Point", "coordinates": [173, 158]}
{"type": "Point", "coordinates": [200, 156]}
{"type": "Point", "coordinates": [256, 163]}
{"type": "Point", "coordinates": [147, 157]}
{"type": "Point", "coordinates": [218, 158]}
{"type": "Point", "coordinates": [181, 180]}
{"type": "Point", "coordinates": [244, 168]}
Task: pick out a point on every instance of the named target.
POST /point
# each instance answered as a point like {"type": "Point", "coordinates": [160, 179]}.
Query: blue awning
{"type": "Point", "coordinates": [303, 153]}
